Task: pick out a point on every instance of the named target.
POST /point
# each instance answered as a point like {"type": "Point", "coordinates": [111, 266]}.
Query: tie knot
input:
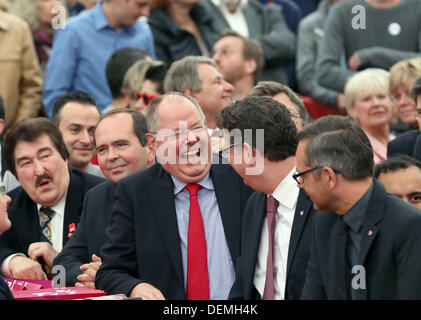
{"type": "Point", "coordinates": [193, 188]}
{"type": "Point", "coordinates": [271, 204]}
{"type": "Point", "coordinates": [46, 213]}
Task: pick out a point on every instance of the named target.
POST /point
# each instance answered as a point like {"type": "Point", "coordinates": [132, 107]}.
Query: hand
{"type": "Point", "coordinates": [43, 250]}
{"type": "Point", "coordinates": [354, 62]}
{"type": "Point", "coordinates": [340, 102]}
{"type": "Point", "coordinates": [24, 268]}
{"type": "Point", "coordinates": [146, 291]}
{"type": "Point", "coordinates": [87, 278]}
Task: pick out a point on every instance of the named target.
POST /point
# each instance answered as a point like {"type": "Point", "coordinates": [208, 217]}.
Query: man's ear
{"type": "Point", "coordinates": [1, 125]}
{"type": "Point", "coordinates": [250, 66]}
{"type": "Point", "coordinates": [188, 91]}
{"type": "Point", "coordinates": [249, 154]}
{"type": "Point", "coordinates": [329, 177]}
{"type": "Point", "coordinates": [151, 143]}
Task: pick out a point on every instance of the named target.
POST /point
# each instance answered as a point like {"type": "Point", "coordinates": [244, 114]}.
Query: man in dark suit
{"type": "Point", "coordinates": [48, 203]}
{"type": "Point", "coordinates": [5, 224]}
{"type": "Point", "coordinates": [175, 228]}
{"type": "Point", "coordinates": [122, 149]}
{"type": "Point", "coordinates": [264, 23]}
{"type": "Point", "coordinates": [274, 253]}
{"type": "Point", "coordinates": [366, 243]}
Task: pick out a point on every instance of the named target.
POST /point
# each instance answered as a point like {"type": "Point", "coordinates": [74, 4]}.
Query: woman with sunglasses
{"type": "Point", "coordinates": [143, 82]}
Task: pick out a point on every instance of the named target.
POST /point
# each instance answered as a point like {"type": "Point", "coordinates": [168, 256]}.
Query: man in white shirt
{"type": "Point", "coordinates": [277, 221]}
{"type": "Point", "coordinates": [46, 207]}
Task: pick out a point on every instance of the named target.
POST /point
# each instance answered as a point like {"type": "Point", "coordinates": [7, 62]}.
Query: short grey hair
{"type": "Point", "coordinates": [367, 80]}
{"type": "Point", "coordinates": [339, 143]}
{"type": "Point", "coordinates": [152, 118]}
{"type": "Point", "coordinates": [184, 74]}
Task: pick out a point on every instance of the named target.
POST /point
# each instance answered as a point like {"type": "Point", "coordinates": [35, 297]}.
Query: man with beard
{"type": "Point", "coordinates": [175, 228]}
{"type": "Point", "coordinates": [48, 203]}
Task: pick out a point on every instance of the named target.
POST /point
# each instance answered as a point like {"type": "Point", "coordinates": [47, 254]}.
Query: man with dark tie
{"type": "Point", "coordinates": [47, 205]}
{"type": "Point", "coordinates": [366, 242]}
{"type": "Point", "coordinates": [175, 228]}
{"type": "Point", "coordinates": [277, 222]}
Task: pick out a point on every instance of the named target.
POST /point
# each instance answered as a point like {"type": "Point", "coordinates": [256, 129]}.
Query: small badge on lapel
{"type": "Point", "coordinates": [301, 212]}
{"type": "Point", "coordinates": [72, 228]}
{"type": "Point", "coordinates": [370, 232]}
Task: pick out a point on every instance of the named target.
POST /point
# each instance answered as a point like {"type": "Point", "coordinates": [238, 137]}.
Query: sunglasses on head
{"type": "Point", "coordinates": [147, 98]}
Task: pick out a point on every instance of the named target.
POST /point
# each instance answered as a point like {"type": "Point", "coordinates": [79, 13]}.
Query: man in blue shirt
{"type": "Point", "coordinates": [81, 50]}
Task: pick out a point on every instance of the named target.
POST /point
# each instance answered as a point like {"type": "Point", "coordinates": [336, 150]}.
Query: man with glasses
{"type": "Point", "coordinates": [366, 242]}
{"type": "Point", "coordinates": [175, 228]}
{"type": "Point", "coordinates": [409, 142]}
{"type": "Point", "coordinates": [277, 221]}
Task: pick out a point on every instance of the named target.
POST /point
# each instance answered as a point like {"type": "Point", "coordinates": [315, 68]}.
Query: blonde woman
{"type": "Point", "coordinates": [39, 14]}
{"type": "Point", "coordinates": [143, 82]}
{"type": "Point", "coordinates": [367, 101]}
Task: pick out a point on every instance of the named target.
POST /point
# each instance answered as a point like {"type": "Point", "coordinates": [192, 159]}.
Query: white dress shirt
{"type": "Point", "coordinates": [56, 233]}
{"type": "Point", "coordinates": [237, 20]}
{"type": "Point", "coordinates": [287, 194]}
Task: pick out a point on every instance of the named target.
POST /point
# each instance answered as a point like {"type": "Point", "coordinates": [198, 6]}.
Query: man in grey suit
{"type": "Point", "coordinates": [264, 23]}
{"type": "Point", "coordinates": [122, 149]}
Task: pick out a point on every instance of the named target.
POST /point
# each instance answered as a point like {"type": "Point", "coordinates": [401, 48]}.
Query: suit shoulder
{"type": "Point", "coordinates": [88, 180]}
{"type": "Point", "coordinates": [101, 188]}
{"type": "Point", "coordinates": [406, 136]}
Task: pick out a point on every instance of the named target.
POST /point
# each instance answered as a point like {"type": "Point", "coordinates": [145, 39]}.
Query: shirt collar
{"type": "Point", "coordinates": [354, 217]}
{"type": "Point", "coordinates": [206, 183]}
{"type": "Point", "coordinates": [59, 207]}
{"type": "Point", "coordinates": [101, 21]}
{"type": "Point", "coordinates": [287, 191]}
{"type": "Point", "coordinates": [221, 4]}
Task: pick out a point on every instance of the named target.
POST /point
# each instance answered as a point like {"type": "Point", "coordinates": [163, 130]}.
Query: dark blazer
{"type": "Point", "coordinates": [89, 236]}
{"type": "Point", "coordinates": [5, 293]}
{"type": "Point", "coordinates": [143, 242]}
{"type": "Point", "coordinates": [390, 251]}
{"type": "Point", "coordinates": [407, 143]}
{"type": "Point", "coordinates": [298, 253]}
{"type": "Point", "coordinates": [173, 43]}
{"type": "Point", "coordinates": [23, 213]}
{"type": "Point", "coordinates": [267, 25]}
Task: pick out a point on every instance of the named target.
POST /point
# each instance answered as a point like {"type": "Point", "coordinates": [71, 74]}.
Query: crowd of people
{"type": "Point", "coordinates": [214, 149]}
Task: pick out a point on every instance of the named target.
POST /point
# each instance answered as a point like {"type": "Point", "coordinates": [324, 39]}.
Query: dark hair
{"type": "Point", "coordinates": [416, 89]}
{"type": "Point", "coordinates": [280, 132]}
{"type": "Point", "coordinates": [2, 112]}
{"type": "Point", "coordinates": [139, 122]}
{"type": "Point", "coordinates": [395, 163]}
{"type": "Point", "coordinates": [119, 62]}
{"type": "Point", "coordinates": [339, 143]}
{"type": "Point", "coordinates": [75, 96]}
{"type": "Point", "coordinates": [157, 74]}
{"type": "Point", "coordinates": [29, 130]}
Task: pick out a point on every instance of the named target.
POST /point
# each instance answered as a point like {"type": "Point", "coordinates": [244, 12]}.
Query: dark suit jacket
{"type": "Point", "coordinates": [298, 253]}
{"type": "Point", "coordinates": [89, 236]}
{"type": "Point", "coordinates": [267, 25]}
{"type": "Point", "coordinates": [390, 251]}
{"type": "Point", "coordinates": [5, 293]}
{"type": "Point", "coordinates": [407, 143]}
{"type": "Point", "coordinates": [23, 214]}
{"type": "Point", "coordinates": [143, 242]}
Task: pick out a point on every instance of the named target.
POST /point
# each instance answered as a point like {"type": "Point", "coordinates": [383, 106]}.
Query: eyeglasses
{"type": "Point", "coordinates": [224, 152]}
{"type": "Point", "coordinates": [147, 98]}
{"type": "Point", "coordinates": [299, 176]}
{"type": "Point", "coordinates": [181, 134]}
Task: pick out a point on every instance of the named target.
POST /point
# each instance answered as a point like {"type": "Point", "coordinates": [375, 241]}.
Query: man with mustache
{"type": "Point", "coordinates": [122, 149]}
{"type": "Point", "coordinates": [76, 115]}
{"type": "Point", "coordinates": [47, 205]}
{"type": "Point", "coordinates": [175, 228]}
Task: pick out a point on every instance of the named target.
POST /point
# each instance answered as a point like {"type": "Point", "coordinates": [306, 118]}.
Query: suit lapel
{"type": "Point", "coordinates": [302, 211]}
{"type": "Point", "coordinates": [161, 195]}
{"type": "Point", "coordinates": [255, 29]}
{"type": "Point", "coordinates": [228, 198]}
{"type": "Point", "coordinates": [74, 203]}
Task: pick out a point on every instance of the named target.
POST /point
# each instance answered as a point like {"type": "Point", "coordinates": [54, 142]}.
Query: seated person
{"type": "Point", "coordinates": [48, 202]}
{"type": "Point", "coordinates": [76, 115]}
{"type": "Point", "coordinates": [401, 176]}
{"type": "Point", "coordinates": [409, 142]}
{"type": "Point", "coordinates": [5, 224]}
{"type": "Point", "coordinates": [142, 82]}
{"type": "Point", "coordinates": [122, 150]}
{"type": "Point", "coordinates": [367, 101]}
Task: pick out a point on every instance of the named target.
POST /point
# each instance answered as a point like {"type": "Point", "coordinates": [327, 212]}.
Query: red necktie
{"type": "Point", "coordinates": [197, 261]}
{"type": "Point", "coordinates": [271, 210]}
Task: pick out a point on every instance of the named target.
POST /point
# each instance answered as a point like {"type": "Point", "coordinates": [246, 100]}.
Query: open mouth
{"type": "Point", "coordinates": [191, 154]}
{"type": "Point", "coordinates": [44, 183]}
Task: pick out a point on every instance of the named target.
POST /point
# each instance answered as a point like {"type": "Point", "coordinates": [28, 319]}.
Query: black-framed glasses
{"type": "Point", "coordinates": [299, 176]}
